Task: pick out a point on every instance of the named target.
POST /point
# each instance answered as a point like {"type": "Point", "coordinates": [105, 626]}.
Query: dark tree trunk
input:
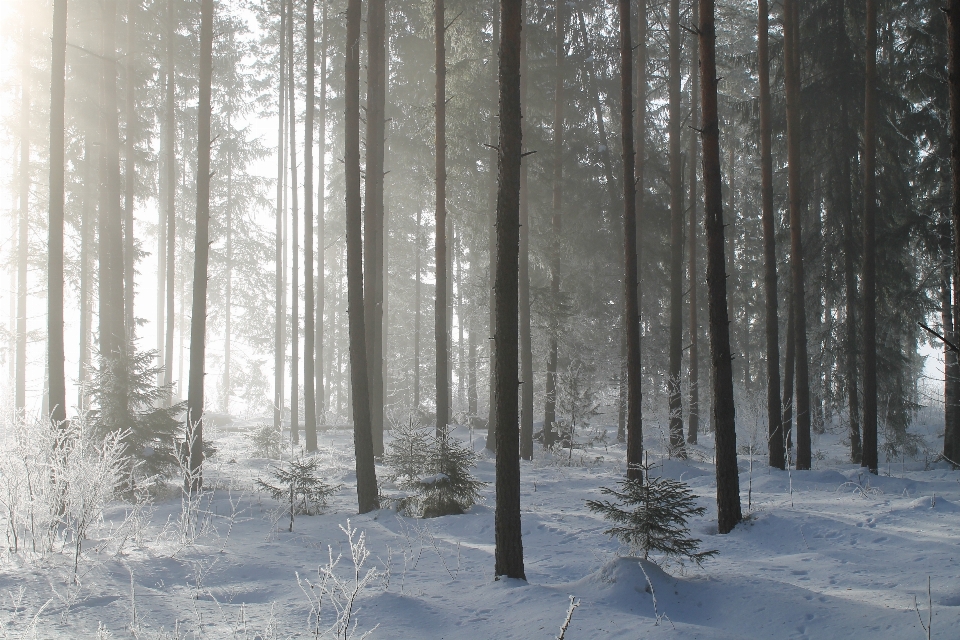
{"type": "Point", "coordinates": [491, 443]}
{"type": "Point", "coordinates": [416, 324]}
{"type": "Point", "coordinates": [630, 214]}
{"type": "Point", "coordinates": [320, 383]}
{"type": "Point", "coordinates": [775, 437]}
{"type": "Point", "coordinates": [869, 246]}
{"type": "Point", "coordinates": [509, 545]}
{"type": "Point", "coordinates": [550, 408]}
{"type": "Point", "coordinates": [279, 344]}
{"type": "Point", "coordinates": [373, 216]}
{"type": "Point", "coordinates": [198, 316]}
{"type": "Point", "coordinates": [789, 368]}
{"type": "Point", "coordinates": [309, 330]}
{"type": "Point", "coordinates": [367, 497]}
{"type": "Point", "coordinates": [170, 166]}
{"type": "Point", "coordinates": [526, 347]}
{"type": "Point", "coordinates": [23, 231]}
{"type": "Point", "coordinates": [792, 85]}
{"type": "Point", "coordinates": [130, 175]}
{"type": "Point", "coordinates": [676, 237]}
{"type": "Point", "coordinates": [294, 235]}
{"type": "Point", "coordinates": [440, 308]}
{"type": "Point", "coordinates": [724, 417]}
{"type": "Point", "coordinates": [951, 444]}
{"type": "Point", "coordinates": [693, 273]}
{"type": "Point", "coordinates": [951, 367]}
{"type": "Point", "coordinates": [55, 356]}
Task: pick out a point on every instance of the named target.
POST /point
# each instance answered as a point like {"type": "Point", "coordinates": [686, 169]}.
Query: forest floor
{"type": "Point", "coordinates": [827, 553]}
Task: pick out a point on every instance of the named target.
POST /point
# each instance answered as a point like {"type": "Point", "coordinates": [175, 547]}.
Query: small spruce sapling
{"type": "Point", "coordinates": [651, 515]}
{"type": "Point", "coordinates": [299, 486]}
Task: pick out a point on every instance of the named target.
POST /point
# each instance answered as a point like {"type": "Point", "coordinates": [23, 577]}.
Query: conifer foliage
{"type": "Point", "coordinates": [299, 485]}
{"type": "Point", "coordinates": [651, 515]}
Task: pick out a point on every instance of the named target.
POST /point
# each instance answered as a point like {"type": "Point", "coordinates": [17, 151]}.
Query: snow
{"type": "Point", "coordinates": [827, 553]}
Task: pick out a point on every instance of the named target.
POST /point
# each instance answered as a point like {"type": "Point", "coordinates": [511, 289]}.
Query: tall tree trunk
{"type": "Point", "coordinates": [309, 330]}
{"type": "Point", "coordinates": [373, 216]}
{"type": "Point", "coordinates": [724, 415]}
{"type": "Point", "coordinates": [416, 329]}
{"type": "Point", "coordinates": [775, 439]}
{"type": "Point", "coordinates": [526, 347]}
{"type": "Point", "coordinates": [130, 174]}
{"type": "Point", "coordinates": [869, 245]}
{"type": "Point", "coordinates": [693, 273]}
{"type": "Point", "coordinates": [55, 356]}
{"type": "Point", "coordinates": [509, 544]}
{"type": "Point", "coordinates": [789, 369]}
{"type": "Point", "coordinates": [491, 442]}
{"type": "Point", "coordinates": [228, 285]}
{"type": "Point", "coordinates": [279, 345]}
{"type": "Point", "coordinates": [170, 165]}
{"type": "Point", "coordinates": [951, 440]}
{"type": "Point", "coordinates": [550, 407]}
{"type": "Point", "coordinates": [161, 243]}
{"type": "Point", "coordinates": [950, 364]}
{"type": "Point", "coordinates": [23, 229]}
{"type": "Point", "coordinates": [321, 382]}
{"type": "Point", "coordinates": [295, 240]}
{"type": "Point", "coordinates": [86, 248]}
{"type": "Point", "coordinates": [367, 497]}
{"type": "Point", "coordinates": [440, 310]}
{"type": "Point", "coordinates": [676, 238]}
{"type": "Point", "coordinates": [198, 316]}
{"type": "Point", "coordinates": [792, 83]}
{"type": "Point", "coordinates": [630, 215]}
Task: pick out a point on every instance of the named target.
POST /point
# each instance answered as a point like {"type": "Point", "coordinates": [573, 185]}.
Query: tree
{"type": "Point", "coordinates": [362, 437]}
{"type": "Point", "coordinates": [869, 247]}
{"type": "Point", "coordinates": [775, 437]}
{"type": "Point", "coordinates": [170, 167]}
{"type": "Point", "coordinates": [491, 443]}
{"type": "Point", "coordinates": [320, 395]}
{"type": "Point", "coordinates": [631, 314]}
{"type": "Point", "coordinates": [440, 309]}
{"type": "Point", "coordinates": [676, 237]}
{"type": "Point", "coordinates": [724, 416]}
{"type": "Point", "coordinates": [130, 173]}
{"type": "Point", "coordinates": [692, 271]}
{"type": "Point", "coordinates": [550, 408]}
{"type": "Point", "coordinates": [198, 316]}
{"type": "Point", "coordinates": [951, 444]}
{"type": "Point", "coordinates": [373, 230]}
{"type": "Point", "coordinates": [295, 240]}
{"type": "Point", "coordinates": [792, 85]}
{"type": "Point", "coordinates": [309, 331]}
{"type": "Point", "coordinates": [509, 544]}
{"type": "Point", "coordinates": [55, 349]}
{"type": "Point", "coordinates": [23, 227]}
{"type": "Point", "coordinates": [526, 348]}
{"type": "Point", "coordinates": [280, 303]}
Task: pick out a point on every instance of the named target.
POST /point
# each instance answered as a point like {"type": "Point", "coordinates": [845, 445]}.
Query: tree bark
{"type": "Point", "coordinates": [280, 319]}
{"type": "Point", "coordinates": [802, 381]}
{"type": "Point", "coordinates": [630, 214]}
{"type": "Point", "coordinates": [373, 216]}
{"type": "Point", "coordinates": [130, 176]}
{"type": "Point", "coordinates": [23, 230]}
{"type": "Point", "coordinates": [951, 441]}
{"type": "Point", "coordinates": [321, 382]}
{"type": "Point", "coordinates": [869, 244]}
{"type": "Point", "coordinates": [198, 316]}
{"type": "Point", "coordinates": [294, 235]}
{"type": "Point", "coordinates": [309, 330]}
{"type": "Point", "coordinates": [526, 347]}
{"type": "Point", "coordinates": [55, 348]}
{"type": "Point", "coordinates": [693, 274]}
{"type": "Point", "coordinates": [789, 369]}
{"type": "Point", "coordinates": [676, 237]}
{"type": "Point", "coordinates": [724, 414]}
{"type": "Point", "coordinates": [508, 553]}
{"type": "Point", "coordinates": [170, 166]}
{"type": "Point", "coordinates": [951, 367]}
{"type": "Point", "coordinates": [367, 497]}
{"type": "Point", "coordinates": [416, 325]}
{"type": "Point", "coordinates": [440, 308]}
{"type": "Point", "coordinates": [491, 442]}
{"type": "Point", "coordinates": [775, 436]}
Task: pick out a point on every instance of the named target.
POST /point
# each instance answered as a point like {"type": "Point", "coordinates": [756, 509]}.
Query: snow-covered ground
{"type": "Point", "coordinates": [828, 553]}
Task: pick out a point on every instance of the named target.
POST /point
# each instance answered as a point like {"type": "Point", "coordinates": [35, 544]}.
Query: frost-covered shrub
{"type": "Point", "coordinates": [651, 515]}
{"type": "Point", "coordinates": [267, 441]}
{"type": "Point", "coordinates": [436, 468]}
